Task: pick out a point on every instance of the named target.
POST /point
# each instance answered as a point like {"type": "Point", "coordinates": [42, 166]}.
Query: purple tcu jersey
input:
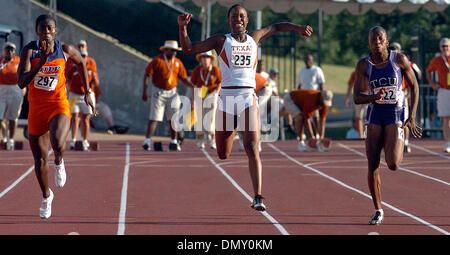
{"type": "Point", "coordinates": [389, 109]}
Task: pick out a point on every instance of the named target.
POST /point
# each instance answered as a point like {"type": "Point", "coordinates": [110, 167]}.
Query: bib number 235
{"type": "Point", "coordinates": [242, 60]}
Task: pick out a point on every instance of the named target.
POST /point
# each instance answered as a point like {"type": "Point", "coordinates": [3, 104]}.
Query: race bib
{"type": "Point", "coordinates": [241, 60]}
{"type": "Point", "coordinates": [390, 95]}
{"type": "Point", "coordinates": [46, 82]}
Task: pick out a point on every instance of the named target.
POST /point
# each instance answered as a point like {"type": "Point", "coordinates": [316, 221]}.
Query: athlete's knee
{"type": "Point", "coordinates": [251, 149]}
{"type": "Point", "coordinates": [40, 162]}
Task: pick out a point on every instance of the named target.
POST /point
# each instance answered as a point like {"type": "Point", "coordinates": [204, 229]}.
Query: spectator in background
{"type": "Point", "coordinates": [165, 70]}
{"type": "Point", "coordinates": [260, 69]}
{"type": "Point", "coordinates": [81, 112]}
{"type": "Point", "coordinates": [207, 78]}
{"type": "Point", "coordinates": [440, 64]}
{"type": "Point", "coordinates": [11, 96]}
{"type": "Point", "coordinates": [311, 77]}
{"type": "Point", "coordinates": [359, 109]}
{"type": "Point", "coordinates": [301, 104]}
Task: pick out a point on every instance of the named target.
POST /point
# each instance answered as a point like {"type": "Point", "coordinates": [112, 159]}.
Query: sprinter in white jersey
{"type": "Point", "coordinates": [237, 53]}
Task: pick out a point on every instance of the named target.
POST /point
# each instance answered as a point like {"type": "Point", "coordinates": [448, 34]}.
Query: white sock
{"type": "Point", "coordinates": [175, 141]}
{"type": "Point", "coordinates": [148, 140]}
{"type": "Point", "coordinates": [74, 140]}
{"type": "Point", "coordinates": [62, 162]}
{"type": "Point", "coordinates": [380, 210]}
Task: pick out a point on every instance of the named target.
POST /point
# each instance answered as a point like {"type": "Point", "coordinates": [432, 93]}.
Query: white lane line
{"type": "Point", "coordinates": [10, 187]}
{"type": "Point", "coordinates": [429, 151]}
{"type": "Point", "coordinates": [123, 198]}
{"type": "Point", "coordinates": [357, 190]}
{"type": "Point", "coordinates": [246, 195]}
{"type": "Point", "coordinates": [400, 168]}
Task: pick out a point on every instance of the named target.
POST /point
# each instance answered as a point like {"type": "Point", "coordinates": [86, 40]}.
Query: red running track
{"type": "Point", "coordinates": [193, 192]}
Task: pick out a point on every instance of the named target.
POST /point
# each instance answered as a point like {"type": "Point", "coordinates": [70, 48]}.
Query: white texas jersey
{"type": "Point", "coordinates": [237, 62]}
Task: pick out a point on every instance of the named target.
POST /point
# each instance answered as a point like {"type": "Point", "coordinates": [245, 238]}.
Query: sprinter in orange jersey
{"type": "Point", "coordinates": [41, 68]}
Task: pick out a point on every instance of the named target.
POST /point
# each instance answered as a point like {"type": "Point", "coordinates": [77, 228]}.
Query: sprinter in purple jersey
{"type": "Point", "coordinates": [385, 115]}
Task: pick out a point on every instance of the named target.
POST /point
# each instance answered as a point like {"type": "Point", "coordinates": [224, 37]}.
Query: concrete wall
{"type": "Point", "coordinates": [120, 67]}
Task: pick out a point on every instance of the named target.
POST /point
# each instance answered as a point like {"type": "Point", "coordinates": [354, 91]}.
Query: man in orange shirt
{"type": "Point", "coordinates": [165, 70]}
{"type": "Point", "coordinates": [441, 65]}
{"type": "Point", "coordinates": [302, 103]}
{"type": "Point", "coordinates": [81, 112]}
{"type": "Point", "coordinates": [207, 78]}
{"type": "Point", "coordinates": [11, 96]}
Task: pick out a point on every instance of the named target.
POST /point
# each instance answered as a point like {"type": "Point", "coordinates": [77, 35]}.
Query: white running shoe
{"type": "Point", "coordinates": [447, 147]}
{"type": "Point", "coordinates": [241, 144]}
{"type": "Point", "coordinates": [320, 147]}
{"type": "Point", "coordinates": [301, 146]}
{"type": "Point", "coordinates": [60, 174]}
{"type": "Point", "coordinates": [201, 144]}
{"type": "Point", "coordinates": [377, 218]}
{"type": "Point", "coordinates": [147, 145]}
{"type": "Point", "coordinates": [212, 143]}
{"type": "Point", "coordinates": [46, 206]}
{"type": "Point", "coordinates": [86, 145]}
{"type": "Point", "coordinates": [10, 145]}
{"type": "Point", "coordinates": [72, 145]}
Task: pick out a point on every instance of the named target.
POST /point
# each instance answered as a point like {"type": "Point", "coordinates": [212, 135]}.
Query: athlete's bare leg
{"type": "Point", "coordinates": [394, 140]}
{"type": "Point", "coordinates": [85, 125]}
{"type": "Point", "coordinates": [75, 124]}
{"type": "Point", "coordinates": [224, 137]}
{"type": "Point", "coordinates": [251, 138]}
{"type": "Point", "coordinates": [151, 127]}
{"type": "Point", "coordinates": [374, 145]}
{"type": "Point", "coordinates": [39, 147]}
{"type": "Point", "coordinates": [59, 129]}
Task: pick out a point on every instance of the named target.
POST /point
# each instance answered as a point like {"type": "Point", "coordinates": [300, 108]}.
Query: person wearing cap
{"type": "Point", "coordinates": [385, 71]}
{"type": "Point", "coordinates": [441, 65]}
{"type": "Point", "coordinates": [206, 78]}
{"type": "Point", "coordinates": [301, 104]}
{"type": "Point", "coordinates": [11, 96]}
{"type": "Point", "coordinates": [165, 70]}
{"type": "Point", "coordinates": [81, 112]}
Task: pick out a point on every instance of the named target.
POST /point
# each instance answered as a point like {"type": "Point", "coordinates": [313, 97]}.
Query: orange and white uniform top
{"type": "Point", "coordinates": [75, 79]}
{"type": "Point", "coordinates": [8, 71]}
{"type": "Point", "coordinates": [47, 95]}
{"type": "Point", "coordinates": [237, 62]}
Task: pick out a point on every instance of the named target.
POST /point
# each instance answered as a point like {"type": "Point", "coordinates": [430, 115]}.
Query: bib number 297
{"type": "Point", "coordinates": [46, 82]}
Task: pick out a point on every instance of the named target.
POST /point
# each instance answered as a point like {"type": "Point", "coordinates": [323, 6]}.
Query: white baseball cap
{"type": "Point", "coordinates": [9, 44]}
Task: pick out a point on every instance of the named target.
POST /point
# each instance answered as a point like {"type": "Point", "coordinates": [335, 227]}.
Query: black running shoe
{"type": "Point", "coordinates": [258, 204]}
{"type": "Point", "coordinates": [377, 218]}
